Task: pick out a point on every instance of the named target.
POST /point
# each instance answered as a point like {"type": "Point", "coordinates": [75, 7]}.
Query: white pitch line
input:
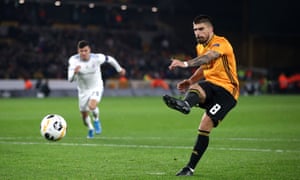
{"type": "Point", "coordinates": [162, 138]}
{"type": "Point", "coordinates": [156, 173]}
{"type": "Point", "coordinates": [260, 139]}
{"type": "Point", "coordinates": [150, 146]}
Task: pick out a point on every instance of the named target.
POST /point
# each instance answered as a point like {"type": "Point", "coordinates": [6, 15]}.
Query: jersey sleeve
{"type": "Point", "coordinates": [113, 62]}
{"type": "Point", "coordinates": [100, 58]}
{"type": "Point", "coordinates": [109, 59]}
{"type": "Point", "coordinates": [71, 67]}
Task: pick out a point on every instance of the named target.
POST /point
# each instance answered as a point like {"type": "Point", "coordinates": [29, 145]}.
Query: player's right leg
{"type": "Point", "coordinates": [194, 96]}
{"type": "Point", "coordinates": [177, 104]}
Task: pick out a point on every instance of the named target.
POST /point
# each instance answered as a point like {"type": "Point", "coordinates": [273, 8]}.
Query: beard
{"type": "Point", "coordinates": [201, 40]}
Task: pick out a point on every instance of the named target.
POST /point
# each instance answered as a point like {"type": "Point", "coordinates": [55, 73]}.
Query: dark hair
{"type": "Point", "coordinates": [82, 44]}
{"type": "Point", "coordinates": [202, 19]}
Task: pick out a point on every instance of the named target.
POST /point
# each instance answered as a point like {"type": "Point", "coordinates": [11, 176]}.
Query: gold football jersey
{"type": "Point", "coordinates": [221, 71]}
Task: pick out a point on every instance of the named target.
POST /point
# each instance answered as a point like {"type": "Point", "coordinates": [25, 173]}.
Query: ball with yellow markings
{"type": "Point", "coordinates": [53, 127]}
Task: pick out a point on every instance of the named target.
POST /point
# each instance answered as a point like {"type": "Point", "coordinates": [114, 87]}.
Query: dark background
{"type": "Point", "coordinates": [265, 34]}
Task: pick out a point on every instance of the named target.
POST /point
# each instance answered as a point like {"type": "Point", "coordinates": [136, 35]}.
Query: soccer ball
{"type": "Point", "coordinates": [53, 127]}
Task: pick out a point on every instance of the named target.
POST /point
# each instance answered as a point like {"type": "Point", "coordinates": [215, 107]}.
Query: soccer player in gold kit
{"type": "Point", "coordinates": [214, 85]}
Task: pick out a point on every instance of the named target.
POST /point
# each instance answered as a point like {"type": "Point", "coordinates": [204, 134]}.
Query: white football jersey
{"type": "Point", "coordinates": [89, 76]}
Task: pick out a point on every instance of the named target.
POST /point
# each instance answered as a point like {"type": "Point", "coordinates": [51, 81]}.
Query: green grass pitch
{"type": "Point", "coordinates": [143, 139]}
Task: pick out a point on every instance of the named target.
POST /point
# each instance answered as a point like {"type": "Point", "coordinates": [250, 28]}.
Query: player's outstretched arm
{"type": "Point", "coordinates": [177, 63]}
{"type": "Point", "coordinates": [197, 61]}
{"type": "Point", "coordinates": [122, 72]}
{"type": "Point", "coordinates": [113, 62]}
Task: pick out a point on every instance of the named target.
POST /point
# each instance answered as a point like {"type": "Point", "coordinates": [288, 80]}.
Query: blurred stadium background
{"type": "Point", "coordinates": [38, 36]}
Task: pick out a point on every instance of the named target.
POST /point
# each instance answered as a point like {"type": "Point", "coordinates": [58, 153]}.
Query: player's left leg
{"type": "Point", "coordinates": [200, 146]}
{"type": "Point", "coordinates": [87, 122]}
{"type": "Point", "coordinates": [93, 106]}
{"type": "Point", "coordinates": [217, 105]}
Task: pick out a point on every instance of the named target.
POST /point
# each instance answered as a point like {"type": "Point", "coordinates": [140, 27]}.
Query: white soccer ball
{"type": "Point", "coordinates": [53, 127]}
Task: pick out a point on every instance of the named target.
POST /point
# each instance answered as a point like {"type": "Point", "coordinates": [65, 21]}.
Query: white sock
{"type": "Point", "coordinates": [95, 113]}
{"type": "Point", "coordinates": [89, 123]}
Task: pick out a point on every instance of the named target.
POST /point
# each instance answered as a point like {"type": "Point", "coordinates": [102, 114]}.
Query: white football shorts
{"type": "Point", "coordinates": [85, 96]}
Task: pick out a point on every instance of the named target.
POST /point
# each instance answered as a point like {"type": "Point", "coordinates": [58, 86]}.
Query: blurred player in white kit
{"type": "Point", "coordinates": [84, 68]}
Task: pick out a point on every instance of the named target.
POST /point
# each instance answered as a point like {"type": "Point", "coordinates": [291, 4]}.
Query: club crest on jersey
{"type": "Point", "coordinates": [217, 45]}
